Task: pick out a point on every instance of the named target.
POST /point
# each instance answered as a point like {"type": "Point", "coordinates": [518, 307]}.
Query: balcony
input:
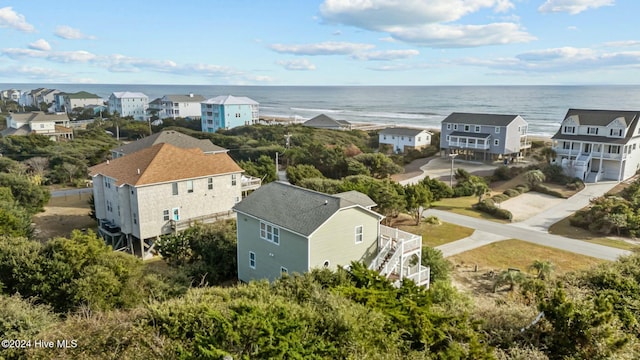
{"type": "Point", "coordinates": [525, 145]}
{"type": "Point", "coordinates": [179, 225]}
{"type": "Point", "coordinates": [250, 183]}
{"type": "Point", "coordinates": [593, 154]}
{"type": "Point", "coordinates": [395, 258]}
{"type": "Point", "coordinates": [468, 145]}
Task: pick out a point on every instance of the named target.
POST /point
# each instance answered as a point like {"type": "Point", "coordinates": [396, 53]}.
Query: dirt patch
{"type": "Point", "coordinates": [411, 170]}
{"type": "Point", "coordinates": [63, 215]}
{"type": "Point", "coordinates": [529, 204]}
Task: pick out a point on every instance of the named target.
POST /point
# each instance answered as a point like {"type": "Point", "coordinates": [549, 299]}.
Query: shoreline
{"type": "Point", "coordinates": [365, 126]}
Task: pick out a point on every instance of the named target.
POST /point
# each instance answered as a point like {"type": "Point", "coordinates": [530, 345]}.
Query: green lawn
{"type": "Point", "coordinates": [564, 228]}
{"type": "Point", "coordinates": [463, 206]}
{"type": "Point", "coordinates": [434, 235]}
{"type": "Point", "coordinates": [520, 254]}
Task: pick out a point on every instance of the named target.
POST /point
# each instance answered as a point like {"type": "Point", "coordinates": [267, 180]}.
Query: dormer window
{"type": "Point", "coordinates": [615, 132]}
{"type": "Point", "coordinates": [569, 130]}
{"type": "Point", "coordinates": [467, 128]}
{"type": "Point", "coordinates": [592, 130]}
{"type": "Point", "coordinates": [477, 129]}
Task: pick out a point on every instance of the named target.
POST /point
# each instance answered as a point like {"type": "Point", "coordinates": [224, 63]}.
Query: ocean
{"type": "Point", "coordinates": [543, 107]}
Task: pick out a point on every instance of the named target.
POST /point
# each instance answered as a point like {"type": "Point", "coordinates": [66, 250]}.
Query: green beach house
{"type": "Point", "coordinates": [288, 229]}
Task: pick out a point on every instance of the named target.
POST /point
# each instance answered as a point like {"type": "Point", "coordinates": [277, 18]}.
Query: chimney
{"type": "Point", "coordinates": [138, 171]}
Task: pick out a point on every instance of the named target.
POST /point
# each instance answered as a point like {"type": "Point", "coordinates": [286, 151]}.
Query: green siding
{"type": "Point", "coordinates": [291, 253]}
{"type": "Point", "coordinates": [335, 240]}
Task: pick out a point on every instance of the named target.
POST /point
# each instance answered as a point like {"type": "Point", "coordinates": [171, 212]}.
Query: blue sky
{"type": "Point", "coordinates": [312, 42]}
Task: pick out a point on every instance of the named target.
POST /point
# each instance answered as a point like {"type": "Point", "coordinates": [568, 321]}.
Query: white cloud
{"type": "Point", "coordinates": [559, 60]}
{"type": "Point", "coordinates": [69, 33]}
{"type": "Point", "coordinates": [572, 6]}
{"type": "Point", "coordinates": [40, 44]}
{"type": "Point", "coordinates": [386, 54]}
{"type": "Point", "coordinates": [564, 53]}
{"type": "Point", "coordinates": [377, 14]}
{"type": "Point", "coordinates": [401, 67]}
{"type": "Point", "coordinates": [79, 56]}
{"type": "Point", "coordinates": [428, 23]}
{"type": "Point", "coordinates": [32, 72]}
{"type": "Point", "coordinates": [302, 64]}
{"type": "Point", "coordinates": [13, 20]}
{"type": "Point", "coordinates": [452, 36]}
{"type": "Point", "coordinates": [622, 43]}
{"type": "Point", "coordinates": [323, 48]}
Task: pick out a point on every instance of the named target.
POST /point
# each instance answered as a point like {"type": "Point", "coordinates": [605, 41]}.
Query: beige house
{"type": "Point", "coordinates": [285, 229]}
{"type": "Point", "coordinates": [55, 126]}
{"type": "Point", "coordinates": [160, 190]}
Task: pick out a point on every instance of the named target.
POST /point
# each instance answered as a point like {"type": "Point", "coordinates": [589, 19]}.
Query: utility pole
{"type": "Point", "coordinates": [277, 177]}
{"type": "Point", "coordinates": [288, 141]}
{"type": "Point", "coordinates": [452, 156]}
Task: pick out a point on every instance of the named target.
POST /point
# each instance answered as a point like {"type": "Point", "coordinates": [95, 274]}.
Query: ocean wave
{"type": "Point", "coordinates": [332, 111]}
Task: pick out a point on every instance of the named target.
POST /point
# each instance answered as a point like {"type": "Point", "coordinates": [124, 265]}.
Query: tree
{"type": "Point", "coordinates": [543, 268]}
{"type": "Point", "coordinates": [417, 198]}
{"type": "Point", "coordinates": [534, 177]}
{"type": "Point", "coordinates": [297, 173]}
{"type": "Point", "coordinates": [440, 268]}
{"type": "Point", "coordinates": [480, 189]}
{"type": "Point", "coordinates": [508, 277]}
{"type": "Point", "coordinates": [264, 168]}
{"type": "Point", "coordinates": [548, 153]}
{"type": "Point", "coordinates": [439, 190]}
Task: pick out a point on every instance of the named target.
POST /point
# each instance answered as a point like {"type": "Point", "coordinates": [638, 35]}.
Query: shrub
{"type": "Point", "coordinates": [433, 220]}
{"type": "Point", "coordinates": [502, 173]}
{"type": "Point", "coordinates": [555, 174]}
{"type": "Point", "coordinates": [500, 198]}
{"type": "Point", "coordinates": [511, 192]}
{"type": "Point", "coordinates": [488, 206]}
{"type": "Point", "coordinates": [546, 190]}
{"type": "Point", "coordinates": [522, 188]}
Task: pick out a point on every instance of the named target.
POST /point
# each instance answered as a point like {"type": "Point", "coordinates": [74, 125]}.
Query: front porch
{"type": "Point", "coordinates": [591, 161]}
{"type": "Point", "coordinates": [399, 256]}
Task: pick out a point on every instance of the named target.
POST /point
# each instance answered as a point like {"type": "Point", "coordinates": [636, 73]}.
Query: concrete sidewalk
{"type": "Point", "coordinates": [477, 239]}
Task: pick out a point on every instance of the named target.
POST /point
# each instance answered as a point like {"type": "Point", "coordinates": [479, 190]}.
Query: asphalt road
{"type": "Point", "coordinates": [496, 231]}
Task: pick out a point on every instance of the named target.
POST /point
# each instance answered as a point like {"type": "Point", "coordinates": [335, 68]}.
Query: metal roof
{"type": "Point", "coordinates": [479, 119]}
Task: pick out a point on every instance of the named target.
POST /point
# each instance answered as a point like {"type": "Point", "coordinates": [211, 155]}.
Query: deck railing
{"type": "Point", "coordinates": [178, 225]}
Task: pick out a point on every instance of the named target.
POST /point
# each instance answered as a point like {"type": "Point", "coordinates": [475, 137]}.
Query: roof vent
{"type": "Point", "coordinates": [326, 202]}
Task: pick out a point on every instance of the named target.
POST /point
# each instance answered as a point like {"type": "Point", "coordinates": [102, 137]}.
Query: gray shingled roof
{"type": "Point", "coordinates": [402, 131]}
{"type": "Point", "coordinates": [294, 208]}
{"type": "Point", "coordinates": [470, 134]}
{"type": "Point", "coordinates": [171, 137]}
{"type": "Point", "coordinates": [324, 120]}
{"type": "Point", "coordinates": [185, 98]}
{"type": "Point", "coordinates": [479, 119]}
{"type": "Point", "coordinates": [357, 197]}
{"type": "Point", "coordinates": [600, 118]}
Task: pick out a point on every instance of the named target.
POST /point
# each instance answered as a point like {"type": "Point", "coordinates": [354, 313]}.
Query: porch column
{"type": "Point", "coordinates": [601, 166]}
{"type": "Point", "coordinates": [620, 174]}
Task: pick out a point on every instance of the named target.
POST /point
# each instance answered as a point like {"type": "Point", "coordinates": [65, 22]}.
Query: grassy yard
{"type": "Point", "coordinates": [463, 206]}
{"type": "Point", "coordinates": [564, 228]}
{"type": "Point", "coordinates": [520, 254]}
{"type": "Point", "coordinates": [434, 235]}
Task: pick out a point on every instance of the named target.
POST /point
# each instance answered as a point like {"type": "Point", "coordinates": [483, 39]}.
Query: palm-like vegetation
{"type": "Point", "coordinates": [542, 268]}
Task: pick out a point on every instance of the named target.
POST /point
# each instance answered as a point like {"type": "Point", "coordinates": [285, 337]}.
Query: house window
{"type": "Point", "coordinates": [326, 264]}
{"type": "Point", "coordinates": [496, 142]}
{"type": "Point", "coordinates": [614, 149]}
{"type": "Point", "coordinates": [592, 130]}
{"type": "Point", "coordinates": [176, 214]}
{"type": "Point", "coordinates": [419, 139]}
{"type": "Point", "coordinates": [359, 230]}
{"type": "Point", "coordinates": [615, 132]}
{"type": "Point", "coordinates": [566, 145]}
{"type": "Point", "coordinates": [270, 233]}
{"type": "Point", "coordinates": [497, 130]}
{"type": "Point", "coordinates": [210, 183]}
{"type": "Point", "coordinates": [448, 137]}
{"type": "Point", "coordinates": [252, 259]}
{"type": "Point", "coordinates": [455, 126]}
{"type": "Point", "coordinates": [234, 179]}
{"type": "Point", "coordinates": [384, 137]}
{"type": "Point", "coordinates": [135, 218]}
{"type": "Point", "coordinates": [165, 215]}
{"type": "Point", "coordinates": [569, 129]}
{"type": "Point", "coordinates": [448, 126]}
{"type": "Point", "coordinates": [174, 188]}
{"type": "Point", "coordinates": [467, 128]}
{"type": "Point", "coordinates": [284, 271]}
{"type": "Point", "coordinates": [189, 186]}
{"type": "Point", "coordinates": [477, 129]}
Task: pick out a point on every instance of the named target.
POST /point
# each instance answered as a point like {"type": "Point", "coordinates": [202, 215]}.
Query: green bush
{"type": "Point", "coordinates": [502, 173]}
{"type": "Point", "coordinates": [546, 190]}
{"type": "Point", "coordinates": [522, 188]}
{"type": "Point", "coordinates": [433, 220]}
{"type": "Point", "coordinates": [488, 206]}
{"type": "Point", "coordinates": [499, 198]}
{"type": "Point", "coordinates": [511, 192]}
